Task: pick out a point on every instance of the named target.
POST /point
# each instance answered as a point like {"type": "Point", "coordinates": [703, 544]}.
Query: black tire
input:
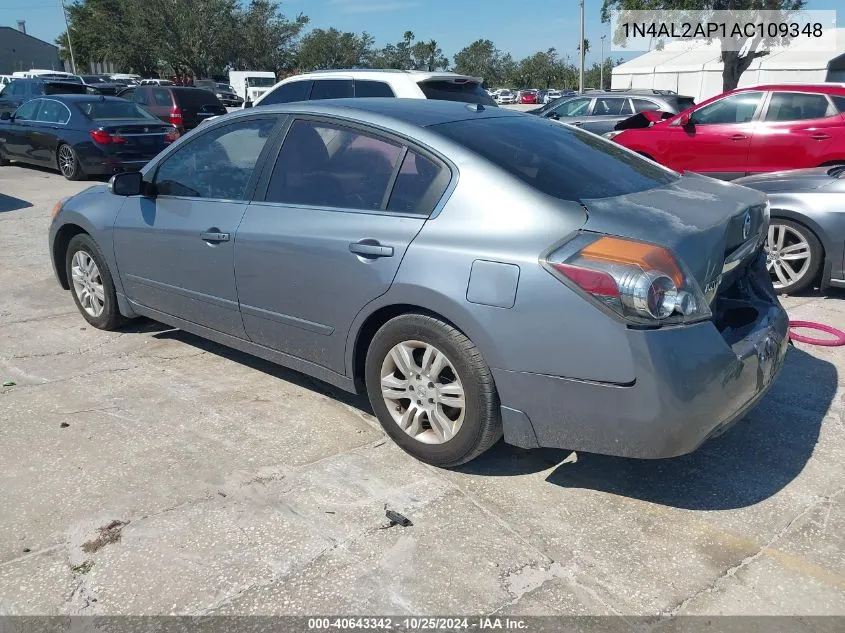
{"type": "Point", "coordinates": [812, 269]}
{"type": "Point", "coordinates": [72, 169]}
{"type": "Point", "coordinates": [4, 162]}
{"type": "Point", "coordinates": [482, 423]}
{"type": "Point", "coordinates": [110, 317]}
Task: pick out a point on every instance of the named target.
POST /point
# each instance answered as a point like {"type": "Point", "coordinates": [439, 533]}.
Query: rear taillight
{"type": "Point", "coordinates": [172, 135]}
{"type": "Point", "coordinates": [643, 283]}
{"type": "Point", "coordinates": [176, 116]}
{"type": "Point", "coordinates": [104, 138]}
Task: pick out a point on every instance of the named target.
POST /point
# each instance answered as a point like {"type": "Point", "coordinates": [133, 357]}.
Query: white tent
{"type": "Point", "coordinates": [694, 68]}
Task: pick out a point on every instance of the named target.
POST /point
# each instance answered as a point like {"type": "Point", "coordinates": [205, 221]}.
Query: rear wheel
{"type": "Point", "coordinates": [793, 255]}
{"type": "Point", "coordinates": [432, 391]}
{"type": "Point", "coordinates": [68, 163]}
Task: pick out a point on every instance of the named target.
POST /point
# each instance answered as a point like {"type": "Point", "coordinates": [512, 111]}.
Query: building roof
{"type": "Point", "coordinates": [19, 32]}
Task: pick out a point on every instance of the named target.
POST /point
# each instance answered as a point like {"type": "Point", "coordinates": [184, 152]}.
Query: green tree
{"type": "Point", "coordinates": [265, 39]}
{"type": "Point", "coordinates": [396, 55]}
{"type": "Point", "coordinates": [735, 62]}
{"type": "Point", "coordinates": [324, 49]}
{"type": "Point", "coordinates": [481, 59]}
{"type": "Point", "coordinates": [428, 56]}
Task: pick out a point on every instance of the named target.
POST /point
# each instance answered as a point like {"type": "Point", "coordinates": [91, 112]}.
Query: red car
{"type": "Point", "coordinates": [749, 130]}
{"type": "Point", "coordinates": [528, 97]}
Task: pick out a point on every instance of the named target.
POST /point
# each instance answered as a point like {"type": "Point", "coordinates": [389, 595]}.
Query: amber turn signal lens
{"type": "Point", "coordinates": [647, 256]}
{"type": "Point", "coordinates": [56, 208]}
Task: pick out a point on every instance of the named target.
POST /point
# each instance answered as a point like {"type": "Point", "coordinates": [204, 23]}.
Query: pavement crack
{"type": "Point", "coordinates": [732, 571]}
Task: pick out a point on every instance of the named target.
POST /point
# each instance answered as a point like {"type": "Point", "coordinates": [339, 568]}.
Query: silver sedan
{"type": "Point", "coordinates": [477, 272]}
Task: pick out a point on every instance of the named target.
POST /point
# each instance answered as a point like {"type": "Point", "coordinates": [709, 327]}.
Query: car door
{"type": "Point", "coordinates": [795, 131]}
{"type": "Point", "coordinates": [175, 247]}
{"type": "Point", "coordinates": [570, 110]}
{"type": "Point", "coordinates": [18, 134]}
{"type": "Point", "coordinates": [327, 236]}
{"type": "Point", "coordinates": [51, 121]}
{"type": "Point", "coordinates": [718, 137]}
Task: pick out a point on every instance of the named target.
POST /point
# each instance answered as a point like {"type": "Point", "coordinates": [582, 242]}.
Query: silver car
{"type": "Point", "coordinates": [477, 272]}
{"type": "Point", "coordinates": [806, 240]}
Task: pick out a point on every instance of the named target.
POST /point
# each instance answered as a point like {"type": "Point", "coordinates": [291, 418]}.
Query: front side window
{"type": "Point", "coordinates": [326, 165]}
{"type": "Point", "coordinates": [737, 108]}
{"type": "Point", "coordinates": [573, 107]}
{"type": "Point", "coordinates": [288, 93]}
{"type": "Point", "coordinates": [217, 164]}
{"type": "Point", "coordinates": [644, 105]}
{"type": "Point", "coordinates": [797, 106]}
{"type": "Point", "coordinates": [28, 111]}
{"type": "Point", "coordinates": [331, 89]}
{"type": "Point", "coordinates": [558, 160]}
{"type": "Point", "coordinates": [53, 112]}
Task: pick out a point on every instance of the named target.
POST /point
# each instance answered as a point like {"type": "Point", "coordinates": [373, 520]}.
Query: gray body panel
{"type": "Point", "coordinates": [813, 198]}
{"type": "Point", "coordinates": [287, 288]}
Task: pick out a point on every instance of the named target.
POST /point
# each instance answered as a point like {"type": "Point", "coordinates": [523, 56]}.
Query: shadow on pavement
{"type": "Point", "coordinates": [10, 203]}
{"type": "Point", "coordinates": [754, 460]}
{"type": "Point", "coordinates": [253, 362]}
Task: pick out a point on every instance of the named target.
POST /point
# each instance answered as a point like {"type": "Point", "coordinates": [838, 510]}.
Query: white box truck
{"type": "Point", "coordinates": [251, 84]}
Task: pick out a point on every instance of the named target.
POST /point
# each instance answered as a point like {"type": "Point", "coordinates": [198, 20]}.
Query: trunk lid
{"type": "Point", "coordinates": [712, 226]}
{"type": "Point", "coordinates": [144, 138]}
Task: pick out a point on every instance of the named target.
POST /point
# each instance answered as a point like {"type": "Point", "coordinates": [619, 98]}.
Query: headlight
{"type": "Point", "coordinates": [642, 283]}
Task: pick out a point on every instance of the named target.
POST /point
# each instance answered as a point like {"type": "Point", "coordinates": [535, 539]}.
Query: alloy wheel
{"type": "Point", "coordinates": [67, 161]}
{"type": "Point", "coordinates": [87, 283]}
{"type": "Point", "coordinates": [423, 392]}
{"type": "Point", "coordinates": [788, 255]}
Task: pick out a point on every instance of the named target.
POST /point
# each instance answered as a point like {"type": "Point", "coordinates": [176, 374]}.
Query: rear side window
{"type": "Point", "coordinates": [326, 165]}
{"type": "Point", "coordinates": [365, 88]}
{"type": "Point", "coordinates": [797, 106]}
{"type": "Point", "coordinates": [468, 92]}
{"type": "Point", "coordinates": [419, 186]}
{"type": "Point", "coordinates": [161, 96]}
{"type": "Point", "coordinates": [331, 89]}
{"type": "Point", "coordinates": [643, 105]}
{"type": "Point", "coordinates": [287, 93]}
{"type": "Point", "coordinates": [839, 102]}
{"type": "Point", "coordinates": [557, 160]}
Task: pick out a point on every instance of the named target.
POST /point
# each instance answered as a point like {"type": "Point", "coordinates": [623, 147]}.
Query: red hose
{"type": "Point", "coordinates": [824, 342]}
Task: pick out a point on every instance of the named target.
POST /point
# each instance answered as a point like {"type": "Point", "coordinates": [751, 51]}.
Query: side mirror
{"type": "Point", "coordinates": [6, 116]}
{"type": "Point", "coordinates": [247, 104]}
{"type": "Point", "coordinates": [685, 120]}
{"type": "Point", "coordinates": [553, 115]}
{"type": "Point", "coordinates": [127, 184]}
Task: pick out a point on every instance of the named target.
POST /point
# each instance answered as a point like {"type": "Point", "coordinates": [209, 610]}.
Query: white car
{"type": "Point", "coordinates": [551, 95]}
{"type": "Point", "coordinates": [505, 96]}
{"type": "Point", "coordinates": [405, 84]}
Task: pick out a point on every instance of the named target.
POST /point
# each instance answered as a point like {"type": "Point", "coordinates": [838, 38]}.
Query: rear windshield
{"type": "Point", "coordinates": [97, 110]}
{"type": "Point", "coordinates": [195, 96]}
{"type": "Point", "coordinates": [557, 160]}
{"type": "Point", "coordinates": [469, 92]}
{"type": "Point", "coordinates": [64, 88]}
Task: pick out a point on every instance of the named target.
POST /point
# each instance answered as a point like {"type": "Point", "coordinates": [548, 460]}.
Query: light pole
{"type": "Point", "coordinates": [581, 51]}
{"type": "Point", "coordinates": [69, 45]}
{"type": "Point", "coordinates": [601, 64]}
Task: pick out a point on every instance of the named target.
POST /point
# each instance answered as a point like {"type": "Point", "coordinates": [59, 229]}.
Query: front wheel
{"type": "Point", "coordinates": [793, 255]}
{"type": "Point", "coordinates": [91, 283]}
{"type": "Point", "coordinates": [432, 391]}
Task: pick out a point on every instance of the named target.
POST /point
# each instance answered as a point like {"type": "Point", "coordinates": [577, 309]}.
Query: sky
{"type": "Point", "coordinates": [520, 27]}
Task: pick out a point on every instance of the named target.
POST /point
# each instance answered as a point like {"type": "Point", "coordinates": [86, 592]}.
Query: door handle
{"type": "Point", "coordinates": [370, 249]}
{"type": "Point", "coordinates": [819, 136]}
{"type": "Point", "coordinates": [738, 137]}
{"type": "Point", "coordinates": [214, 236]}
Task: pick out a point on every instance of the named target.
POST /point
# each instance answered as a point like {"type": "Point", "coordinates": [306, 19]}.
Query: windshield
{"type": "Point", "coordinates": [225, 88]}
{"type": "Point", "coordinates": [560, 161]}
{"type": "Point", "coordinates": [466, 92]}
{"type": "Point", "coordinates": [98, 110]}
{"type": "Point", "coordinates": [260, 82]}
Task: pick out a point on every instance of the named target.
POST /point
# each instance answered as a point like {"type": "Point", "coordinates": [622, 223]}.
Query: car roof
{"type": "Point", "coordinates": [826, 88]}
{"type": "Point", "coordinates": [81, 97]}
{"type": "Point", "coordinates": [417, 112]}
{"type": "Point", "coordinates": [383, 74]}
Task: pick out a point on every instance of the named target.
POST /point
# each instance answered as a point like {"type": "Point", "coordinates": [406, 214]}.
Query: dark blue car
{"type": "Point", "coordinates": [83, 135]}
